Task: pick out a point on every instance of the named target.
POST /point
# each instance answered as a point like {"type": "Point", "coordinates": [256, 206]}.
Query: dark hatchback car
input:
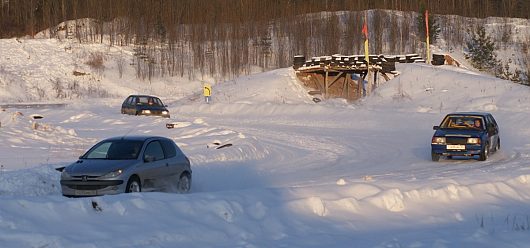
{"type": "Point", "coordinates": [128, 164]}
{"type": "Point", "coordinates": [466, 134]}
{"type": "Point", "coordinates": [144, 105]}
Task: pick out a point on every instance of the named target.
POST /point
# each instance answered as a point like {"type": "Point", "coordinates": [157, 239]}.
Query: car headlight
{"type": "Point", "coordinates": [164, 112]}
{"type": "Point", "coordinates": [473, 140]}
{"type": "Point", "coordinates": [112, 174]}
{"type": "Point", "coordinates": [65, 175]}
{"type": "Point", "coordinates": [146, 111]}
{"type": "Point", "coordinates": [438, 140]}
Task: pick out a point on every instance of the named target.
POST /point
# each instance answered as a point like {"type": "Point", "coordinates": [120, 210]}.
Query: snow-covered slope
{"type": "Point", "coordinates": [447, 88]}
{"type": "Point", "coordinates": [298, 173]}
{"type": "Point", "coordinates": [48, 70]}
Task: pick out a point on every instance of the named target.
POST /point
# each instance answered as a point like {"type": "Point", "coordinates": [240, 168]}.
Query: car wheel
{"type": "Point", "coordinates": [435, 156]}
{"type": "Point", "coordinates": [484, 153]}
{"type": "Point", "coordinates": [133, 185]}
{"type": "Point", "coordinates": [184, 184]}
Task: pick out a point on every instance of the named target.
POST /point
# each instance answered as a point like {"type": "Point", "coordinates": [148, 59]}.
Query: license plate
{"type": "Point", "coordinates": [456, 147]}
{"type": "Point", "coordinates": [85, 192]}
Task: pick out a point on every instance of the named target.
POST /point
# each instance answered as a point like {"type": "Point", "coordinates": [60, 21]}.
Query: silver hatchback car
{"type": "Point", "coordinates": [128, 164]}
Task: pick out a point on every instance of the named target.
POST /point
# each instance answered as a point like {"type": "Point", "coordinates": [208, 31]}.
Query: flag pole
{"type": "Point", "coordinates": [366, 52]}
{"type": "Point", "coordinates": [428, 61]}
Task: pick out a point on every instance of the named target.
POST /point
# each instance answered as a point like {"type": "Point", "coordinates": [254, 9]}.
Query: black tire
{"type": "Point", "coordinates": [435, 156]}
{"type": "Point", "coordinates": [184, 183]}
{"type": "Point", "coordinates": [484, 153]}
{"type": "Point", "coordinates": [133, 185]}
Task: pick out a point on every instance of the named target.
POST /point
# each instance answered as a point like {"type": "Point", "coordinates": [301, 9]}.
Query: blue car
{"type": "Point", "coordinates": [466, 134]}
{"type": "Point", "coordinates": [144, 105]}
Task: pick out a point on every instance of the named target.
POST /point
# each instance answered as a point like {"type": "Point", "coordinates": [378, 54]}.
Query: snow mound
{"type": "Point", "coordinates": [440, 89]}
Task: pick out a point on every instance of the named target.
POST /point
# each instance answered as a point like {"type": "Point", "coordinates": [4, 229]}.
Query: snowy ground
{"type": "Point", "coordinates": [299, 174]}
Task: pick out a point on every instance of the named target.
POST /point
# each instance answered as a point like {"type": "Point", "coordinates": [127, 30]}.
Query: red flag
{"type": "Point", "coordinates": [365, 30]}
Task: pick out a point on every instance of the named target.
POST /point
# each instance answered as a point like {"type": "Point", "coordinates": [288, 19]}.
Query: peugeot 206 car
{"type": "Point", "coordinates": [144, 105]}
{"type": "Point", "coordinates": [128, 164]}
{"type": "Point", "coordinates": [466, 134]}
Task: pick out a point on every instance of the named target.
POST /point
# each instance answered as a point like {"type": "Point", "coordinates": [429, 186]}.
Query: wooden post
{"type": "Point", "coordinates": [347, 80]}
{"type": "Point", "coordinates": [343, 87]}
{"type": "Point", "coordinates": [375, 80]}
{"type": "Point", "coordinates": [360, 83]}
{"type": "Point", "coordinates": [326, 84]}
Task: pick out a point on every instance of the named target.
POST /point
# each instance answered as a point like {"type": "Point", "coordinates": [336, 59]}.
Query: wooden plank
{"type": "Point", "coordinates": [385, 76]}
{"type": "Point", "coordinates": [336, 79]}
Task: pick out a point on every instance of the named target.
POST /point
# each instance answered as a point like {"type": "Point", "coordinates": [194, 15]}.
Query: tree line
{"type": "Point", "coordinates": [228, 37]}
{"type": "Point", "coordinates": [22, 17]}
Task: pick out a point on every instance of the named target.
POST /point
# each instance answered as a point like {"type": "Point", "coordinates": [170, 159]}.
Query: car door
{"type": "Point", "coordinates": [125, 105]}
{"type": "Point", "coordinates": [131, 107]}
{"type": "Point", "coordinates": [176, 160]}
{"type": "Point", "coordinates": [155, 167]}
{"type": "Point", "coordinates": [493, 131]}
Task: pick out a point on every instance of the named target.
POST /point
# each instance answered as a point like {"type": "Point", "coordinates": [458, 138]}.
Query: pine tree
{"type": "Point", "coordinates": [434, 29]}
{"type": "Point", "coordinates": [481, 51]}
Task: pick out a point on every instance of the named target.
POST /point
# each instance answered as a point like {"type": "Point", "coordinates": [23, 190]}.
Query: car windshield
{"type": "Point", "coordinates": [463, 122]}
{"type": "Point", "coordinates": [151, 101]}
{"type": "Point", "coordinates": [115, 150]}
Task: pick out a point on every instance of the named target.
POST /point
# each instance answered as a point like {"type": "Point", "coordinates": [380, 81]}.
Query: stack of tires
{"type": "Point", "coordinates": [388, 67]}
{"type": "Point", "coordinates": [299, 61]}
{"type": "Point", "coordinates": [438, 59]}
{"type": "Point", "coordinates": [410, 58]}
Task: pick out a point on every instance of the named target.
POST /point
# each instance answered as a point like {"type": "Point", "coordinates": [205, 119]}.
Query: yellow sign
{"type": "Point", "coordinates": [207, 90]}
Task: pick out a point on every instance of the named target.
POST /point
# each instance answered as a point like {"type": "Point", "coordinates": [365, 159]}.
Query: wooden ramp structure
{"type": "Point", "coordinates": [348, 77]}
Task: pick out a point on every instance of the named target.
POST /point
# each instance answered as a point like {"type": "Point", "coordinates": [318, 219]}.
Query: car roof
{"type": "Point", "coordinates": [470, 113]}
{"type": "Point", "coordinates": [143, 96]}
{"type": "Point", "coordinates": [134, 138]}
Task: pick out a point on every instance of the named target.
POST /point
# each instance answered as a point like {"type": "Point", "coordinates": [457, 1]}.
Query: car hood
{"type": "Point", "coordinates": [97, 167]}
{"type": "Point", "coordinates": [458, 132]}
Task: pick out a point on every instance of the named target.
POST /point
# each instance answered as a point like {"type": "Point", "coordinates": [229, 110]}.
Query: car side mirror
{"type": "Point", "coordinates": [435, 127]}
{"type": "Point", "coordinates": [165, 106]}
{"type": "Point", "coordinates": [149, 159]}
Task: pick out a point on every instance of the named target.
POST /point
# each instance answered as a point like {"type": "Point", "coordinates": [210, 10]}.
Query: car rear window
{"type": "Point", "coordinates": [169, 148]}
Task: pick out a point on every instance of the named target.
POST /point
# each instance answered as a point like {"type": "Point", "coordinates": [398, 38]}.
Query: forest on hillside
{"type": "Point", "coordinates": [228, 37]}
{"type": "Point", "coordinates": [18, 17]}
